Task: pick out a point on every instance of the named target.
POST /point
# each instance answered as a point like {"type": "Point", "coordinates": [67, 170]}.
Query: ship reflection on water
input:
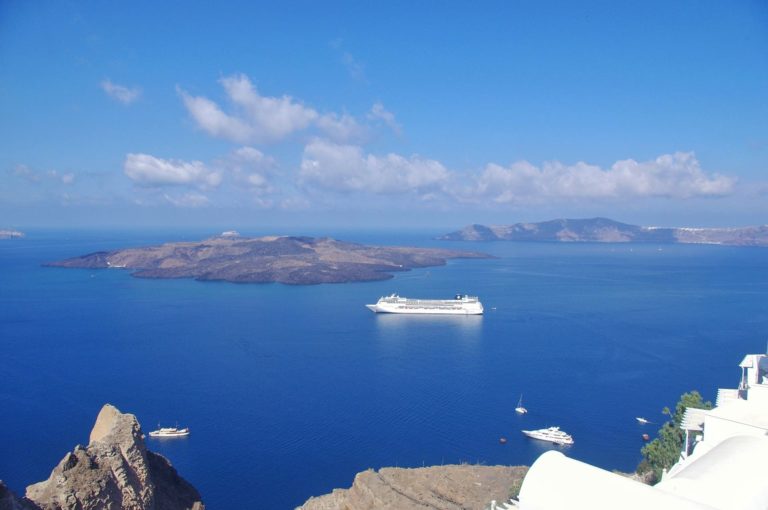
{"type": "Point", "coordinates": [396, 327]}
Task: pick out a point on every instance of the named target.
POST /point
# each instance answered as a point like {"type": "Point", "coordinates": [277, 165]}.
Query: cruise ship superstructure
{"type": "Point", "coordinates": [459, 305]}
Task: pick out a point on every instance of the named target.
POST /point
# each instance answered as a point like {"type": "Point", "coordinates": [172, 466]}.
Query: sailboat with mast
{"type": "Point", "coordinates": [520, 409]}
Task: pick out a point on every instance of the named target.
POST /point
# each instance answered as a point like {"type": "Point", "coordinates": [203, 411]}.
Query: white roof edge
{"type": "Point", "coordinates": [693, 418]}
{"type": "Point", "coordinates": [748, 361]}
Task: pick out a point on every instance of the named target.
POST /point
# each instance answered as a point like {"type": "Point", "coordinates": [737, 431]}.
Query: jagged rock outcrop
{"type": "Point", "coordinates": [115, 471]}
{"type": "Point", "coordinates": [454, 487]}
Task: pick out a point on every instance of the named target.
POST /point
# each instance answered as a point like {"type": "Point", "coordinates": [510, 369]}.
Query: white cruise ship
{"type": "Point", "coordinates": [460, 305]}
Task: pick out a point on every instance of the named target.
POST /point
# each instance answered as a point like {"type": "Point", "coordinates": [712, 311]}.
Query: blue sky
{"type": "Point", "coordinates": [403, 114]}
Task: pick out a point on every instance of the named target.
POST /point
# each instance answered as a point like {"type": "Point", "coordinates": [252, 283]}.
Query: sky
{"type": "Point", "coordinates": [382, 114]}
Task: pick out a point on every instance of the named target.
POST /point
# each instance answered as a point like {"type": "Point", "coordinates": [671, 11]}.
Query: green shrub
{"type": "Point", "coordinates": [514, 491]}
{"type": "Point", "coordinates": [664, 451]}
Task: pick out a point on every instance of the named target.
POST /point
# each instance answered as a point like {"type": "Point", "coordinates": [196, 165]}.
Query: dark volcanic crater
{"type": "Point", "coordinates": [291, 260]}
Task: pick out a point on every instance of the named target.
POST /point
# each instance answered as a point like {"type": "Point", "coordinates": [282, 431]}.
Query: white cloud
{"type": "Point", "coordinates": [328, 168]}
{"type": "Point", "coordinates": [354, 67]}
{"type": "Point", "coordinates": [251, 155]}
{"type": "Point", "coordinates": [257, 180]}
{"type": "Point", "coordinates": [256, 118]}
{"type": "Point", "coordinates": [210, 118]}
{"type": "Point", "coordinates": [125, 95]}
{"type": "Point", "coordinates": [150, 171]}
{"type": "Point", "coordinates": [24, 172]}
{"type": "Point", "coordinates": [56, 176]}
{"type": "Point", "coordinates": [250, 166]}
{"type": "Point", "coordinates": [341, 128]}
{"type": "Point", "coordinates": [295, 203]}
{"type": "Point", "coordinates": [677, 175]}
{"type": "Point", "coordinates": [191, 199]}
{"type": "Point", "coordinates": [346, 168]}
{"type": "Point", "coordinates": [378, 112]}
{"type": "Point", "coordinates": [673, 175]}
{"type": "Point", "coordinates": [39, 177]}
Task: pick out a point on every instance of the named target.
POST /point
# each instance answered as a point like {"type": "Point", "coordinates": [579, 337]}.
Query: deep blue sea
{"type": "Point", "coordinates": [291, 390]}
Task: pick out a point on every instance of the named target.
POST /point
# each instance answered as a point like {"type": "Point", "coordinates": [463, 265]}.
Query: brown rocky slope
{"type": "Point", "coordinates": [453, 487]}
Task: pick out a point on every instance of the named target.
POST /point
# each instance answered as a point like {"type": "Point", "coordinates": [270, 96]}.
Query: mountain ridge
{"type": "Point", "coordinates": [605, 230]}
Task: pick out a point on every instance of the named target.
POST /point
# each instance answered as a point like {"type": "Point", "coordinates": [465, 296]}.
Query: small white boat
{"type": "Point", "coordinates": [642, 420]}
{"type": "Point", "coordinates": [170, 432]}
{"type": "Point", "coordinates": [520, 409]}
{"type": "Point", "coordinates": [551, 434]}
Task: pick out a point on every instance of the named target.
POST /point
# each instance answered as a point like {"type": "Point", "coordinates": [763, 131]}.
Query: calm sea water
{"type": "Point", "coordinates": [290, 391]}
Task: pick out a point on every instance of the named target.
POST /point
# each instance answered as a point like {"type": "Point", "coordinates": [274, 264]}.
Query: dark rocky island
{"type": "Point", "coordinates": [291, 260]}
{"type": "Point", "coordinates": [603, 230]}
{"type": "Point", "coordinates": [115, 470]}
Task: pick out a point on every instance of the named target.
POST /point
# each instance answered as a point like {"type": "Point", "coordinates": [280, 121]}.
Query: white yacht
{"type": "Point", "coordinates": [551, 434]}
{"type": "Point", "coordinates": [170, 432]}
{"type": "Point", "coordinates": [459, 305]}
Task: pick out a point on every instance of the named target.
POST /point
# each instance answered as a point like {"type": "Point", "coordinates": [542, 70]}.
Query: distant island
{"type": "Point", "coordinates": [290, 260]}
{"type": "Point", "coordinates": [604, 230]}
{"type": "Point", "coordinates": [10, 234]}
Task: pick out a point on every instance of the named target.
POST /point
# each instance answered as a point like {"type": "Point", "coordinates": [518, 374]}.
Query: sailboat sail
{"type": "Point", "coordinates": [520, 409]}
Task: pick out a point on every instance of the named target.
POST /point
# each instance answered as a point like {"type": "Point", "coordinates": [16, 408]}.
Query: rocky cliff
{"type": "Point", "coordinates": [115, 471]}
{"type": "Point", "coordinates": [604, 230]}
{"type": "Point", "coordinates": [455, 487]}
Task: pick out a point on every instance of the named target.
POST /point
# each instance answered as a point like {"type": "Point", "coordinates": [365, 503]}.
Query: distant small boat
{"type": "Point", "coordinates": [646, 437]}
{"type": "Point", "coordinates": [520, 409]}
{"type": "Point", "coordinates": [642, 420]}
{"type": "Point", "coordinates": [502, 440]}
{"type": "Point", "coordinates": [170, 432]}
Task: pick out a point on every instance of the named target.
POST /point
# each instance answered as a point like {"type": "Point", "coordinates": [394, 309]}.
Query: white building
{"type": "Point", "coordinates": [740, 411]}
{"type": "Point", "coordinates": [724, 464]}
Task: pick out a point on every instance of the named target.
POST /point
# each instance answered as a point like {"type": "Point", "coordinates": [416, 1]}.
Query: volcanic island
{"type": "Point", "coordinates": [284, 259]}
